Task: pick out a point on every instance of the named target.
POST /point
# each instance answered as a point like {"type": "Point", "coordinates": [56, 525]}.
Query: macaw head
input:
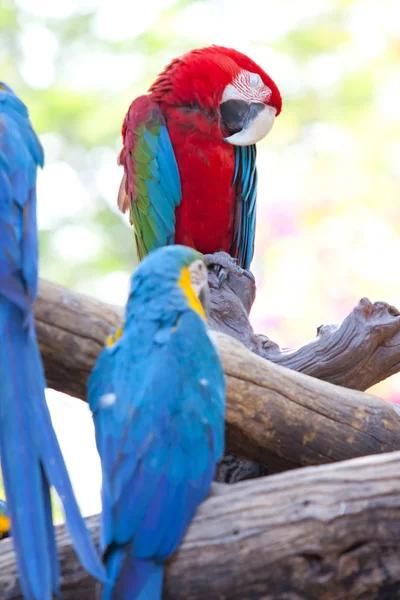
{"type": "Point", "coordinates": [175, 273]}
{"type": "Point", "coordinates": [228, 85]}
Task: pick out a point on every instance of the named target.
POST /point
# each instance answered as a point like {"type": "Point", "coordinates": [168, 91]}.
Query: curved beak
{"type": "Point", "coordinates": [247, 123]}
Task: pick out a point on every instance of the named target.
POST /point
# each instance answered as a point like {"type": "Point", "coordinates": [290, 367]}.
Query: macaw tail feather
{"type": "Point", "coordinates": [131, 578]}
{"type": "Point", "coordinates": [31, 461]}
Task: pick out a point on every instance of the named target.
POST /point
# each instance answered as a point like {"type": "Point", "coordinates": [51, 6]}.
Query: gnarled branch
{"type": "Point", "coordinates": [363, 350]}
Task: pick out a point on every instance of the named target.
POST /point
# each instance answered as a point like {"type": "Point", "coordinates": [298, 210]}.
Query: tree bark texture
{"type": "Point", "coordinates": [279, 417]}
{"type": "Point", "coordinates": [322, 533]}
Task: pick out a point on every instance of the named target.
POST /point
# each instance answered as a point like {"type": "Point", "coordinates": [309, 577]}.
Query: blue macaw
{"type": "Point", "coordinates": [157, 393]}
{"type": "Point", "coordinates": [31, 458]}
{"type": "Point", "coordinates": [4, 520]}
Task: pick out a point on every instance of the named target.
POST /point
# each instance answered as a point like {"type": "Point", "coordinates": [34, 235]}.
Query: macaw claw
{"type": "Point", "coordinates": [222, 264]}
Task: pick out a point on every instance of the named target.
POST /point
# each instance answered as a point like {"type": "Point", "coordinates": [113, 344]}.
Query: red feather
{"type": "Point", "coordinates": [204, 219]}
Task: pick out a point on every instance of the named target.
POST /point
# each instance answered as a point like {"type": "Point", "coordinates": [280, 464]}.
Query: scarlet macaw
{"type": "Point", "coordinates": [157, 394]}
{"type": "Point", "coordinates": [31, 458]}
{"type": "Point", "coordinates": [189, 153]}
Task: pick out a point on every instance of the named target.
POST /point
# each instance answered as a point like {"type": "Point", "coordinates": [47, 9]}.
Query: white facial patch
{"type": "Point", "coordinates": [247, 86]}
{"type": "Point", "coordinates": [198, 276]}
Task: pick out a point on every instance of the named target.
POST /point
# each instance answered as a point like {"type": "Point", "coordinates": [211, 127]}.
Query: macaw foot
{"type": "Point", "coordinates": [235, 468]}
{"type": "Point", "coordinates": [222, 264]}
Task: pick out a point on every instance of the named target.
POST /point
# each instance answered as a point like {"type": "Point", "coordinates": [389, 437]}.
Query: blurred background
{"type": "Point", "coordinates": [328, 227]}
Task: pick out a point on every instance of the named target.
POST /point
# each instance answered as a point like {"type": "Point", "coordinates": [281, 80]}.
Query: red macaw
{"type": "Point", "coordinates": [189, 153]}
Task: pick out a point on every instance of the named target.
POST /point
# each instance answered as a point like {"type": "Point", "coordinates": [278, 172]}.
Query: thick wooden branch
{"type": "Point", "coordinates": [324, 532]}
{"type": "Point", "coordinates": [276, 416]}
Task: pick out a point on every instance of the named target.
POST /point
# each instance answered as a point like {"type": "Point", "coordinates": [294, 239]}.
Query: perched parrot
{"type": "Point", "coordinates": [157, 393]}
{"type": "Point", "coordinates": [4, 520]}
{"type": "Point", "coordinates": [31, 458]}
{"type": "Point", "coordinates": [189, 153]}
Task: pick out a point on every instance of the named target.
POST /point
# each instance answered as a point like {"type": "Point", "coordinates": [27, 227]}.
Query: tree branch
{"type": "Point", "coordinates": [322, 532]}
{"type": "Point", "coordinates": [71, 330]}
{"type": "Point", "coordinates": [363, 350]}
{"type": "Point", "coordinates": [281, 418]}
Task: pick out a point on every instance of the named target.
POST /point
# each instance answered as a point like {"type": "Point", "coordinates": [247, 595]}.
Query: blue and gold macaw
{"type": "Point", "coordinates": [4, 520]}
{"type": "Point", "coordinates": [157, 394]}
{"type": "Point", "coordinates": [31, 458]}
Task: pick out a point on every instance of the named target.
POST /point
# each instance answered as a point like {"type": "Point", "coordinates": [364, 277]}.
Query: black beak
{"type": "Point", "coordinates": [205, 298]}
{"type": "Point", "coordinates": [237, 114]}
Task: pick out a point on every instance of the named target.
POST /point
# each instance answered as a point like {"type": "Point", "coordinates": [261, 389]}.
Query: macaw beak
{"type": "Point", "coordinates": [247, 122]}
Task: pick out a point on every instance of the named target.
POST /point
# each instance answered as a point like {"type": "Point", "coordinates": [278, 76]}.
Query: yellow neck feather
{"type": "Point", "coordinates": [193, 301]}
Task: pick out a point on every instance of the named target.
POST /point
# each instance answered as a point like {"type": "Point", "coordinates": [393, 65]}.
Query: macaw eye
{"type": "Point", "coordinates": [255, 80]}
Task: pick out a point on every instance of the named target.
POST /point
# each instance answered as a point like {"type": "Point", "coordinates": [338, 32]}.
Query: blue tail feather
{"type": "Point", "coordinates": [57, 474]}
{"type": "Point", "coordinates": [131, 578]}
{"type": "Point", "coordinates": [51, 540]}
{"type": "Point", "coordinates": [21, 465]}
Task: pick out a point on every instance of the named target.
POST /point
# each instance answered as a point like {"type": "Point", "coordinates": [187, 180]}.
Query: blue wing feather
{"type": "Point", "coordinates": [245, 179]}
{"type": "Point", "coordinates": [151, 182]}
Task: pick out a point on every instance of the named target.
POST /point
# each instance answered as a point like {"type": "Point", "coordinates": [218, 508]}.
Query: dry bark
{"type": "Point", "coordinates": [330, 532]}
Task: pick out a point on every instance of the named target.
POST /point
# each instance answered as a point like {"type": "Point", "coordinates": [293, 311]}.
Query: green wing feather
{"type": "Point", "coordinates": [150, 188]}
